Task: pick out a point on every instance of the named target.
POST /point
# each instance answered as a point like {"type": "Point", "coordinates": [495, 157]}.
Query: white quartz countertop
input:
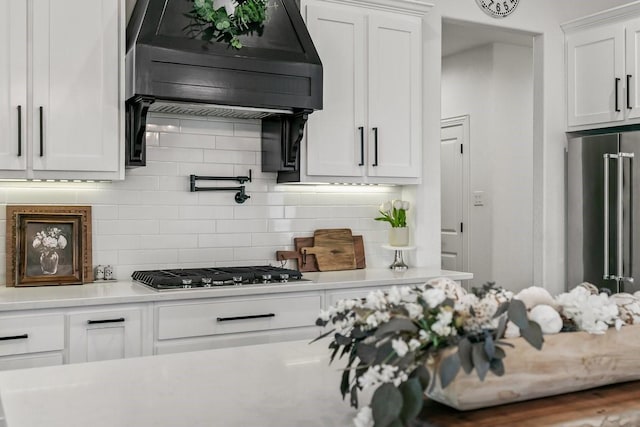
{"type": "Point", "coordinates": [98, 293]}
{"type": "Point", "coordinates": [278, 384]}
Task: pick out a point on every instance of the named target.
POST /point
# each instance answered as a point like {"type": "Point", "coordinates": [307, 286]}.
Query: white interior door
{"type": "Point", "coordinates": [454, 193]}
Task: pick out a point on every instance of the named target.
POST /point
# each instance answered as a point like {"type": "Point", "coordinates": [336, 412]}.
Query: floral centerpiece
{"type": "Point", "coordinates": [225, 22]}
{"type": "Point", "coordinates": [407, 341]}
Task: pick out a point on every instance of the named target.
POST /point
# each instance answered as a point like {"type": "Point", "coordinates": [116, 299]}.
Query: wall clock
{"type": "Point", "coordinates": [496, 8]}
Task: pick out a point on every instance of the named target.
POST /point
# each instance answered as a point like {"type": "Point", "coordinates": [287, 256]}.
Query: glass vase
{"type": "Point", "coordinates": [399, 236]}
{"type": "Point", "coordinates": [49, 262]}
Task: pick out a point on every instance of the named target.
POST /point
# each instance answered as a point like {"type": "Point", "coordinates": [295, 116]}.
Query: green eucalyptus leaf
{"type": "Point", "coordinates": [411, 400]}
{"type": "Point", "coordinates": [489, 346]}
{"type": "Point", "coordinates": [508, 344]}
{"type": "Point", "coordinates": [354, 396]}
{"type": "Point", "coordinates": [502, 326]}
{"type": "Point", "coordinates": [344, 383]}
{"type": "Point", "coordinates": [517, 313]}
{"type": "Point", "coordinates": [386, 405]}
{"type": "Point", "coordinates": [383, 353]}
{"type": "Point", "coordinates": [333, 353]}
{"type": "Point", "coordinates": [497, 367]}
{"type": "Point", "coordinates": [480, 360]}
{"type": "Point", "coordinates": [464, 353]}
{"type": "Point", "coordinates": [499, 353]}
{"type": "Point", "coordinates": [394, 326]}
{"type": "Point", "coordinates": [366, 352]}
{"type": "Point", "coordinates": [341, 339]}
{"type": "Point", "coordinates": [422, 374]}
{"type": "Point", "coordinates": [502, 308]}
{"type": "Point", "coordinates": [533, 335]}
{"type": "Point", "coordinates": [449, 367]}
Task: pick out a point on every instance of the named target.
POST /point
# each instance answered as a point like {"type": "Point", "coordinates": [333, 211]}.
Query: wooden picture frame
{"type": "Point", "coordinates": [48, 245]}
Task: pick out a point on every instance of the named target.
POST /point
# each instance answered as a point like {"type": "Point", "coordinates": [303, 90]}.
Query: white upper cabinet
{"type": "Point", "coordinates": [73, 117]}
{"type": "Point", "coordinates": [13, 84]}
{"type": "Point", "coordinates": [369, 130]}
{"type": "Point", "coordinates": [603, 61]}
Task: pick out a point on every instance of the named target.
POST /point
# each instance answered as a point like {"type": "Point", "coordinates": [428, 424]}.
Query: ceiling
{"type": "Point", "coordinates": [458, 36]}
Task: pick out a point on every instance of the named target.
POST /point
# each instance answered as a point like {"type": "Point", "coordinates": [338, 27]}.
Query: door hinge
{"type": "Point", "coordinates": [462, 227]}
{"type": "Point", "coordinates": [461, 149]}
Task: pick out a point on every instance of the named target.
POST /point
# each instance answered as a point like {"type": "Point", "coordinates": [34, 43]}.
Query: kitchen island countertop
{"type": "Point", "coordinates": [127, 291]}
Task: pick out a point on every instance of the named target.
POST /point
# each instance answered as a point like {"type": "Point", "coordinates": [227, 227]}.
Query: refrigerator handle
{"type": "Point", "coordinates": [620, 273]}
{"type": "Point", "coordinates": [605, 270]}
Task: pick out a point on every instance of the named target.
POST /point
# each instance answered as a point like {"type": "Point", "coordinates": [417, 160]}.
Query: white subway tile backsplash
{"type": "Point", "coordinates": [227, 156]}
{"type": "Point", "coordinates": [205, 212]}
{"type": "Point", "coordinates": [249, 128]}
{"type": "Point", "coordinates": [166, 154]}
{"type": "Point", "coordinates": [206, 127]}
{"type": "Point", "coordinates": [185, 140]}
{"type": "Point", "coordinates": [151, 220]}
{"type": "Point", "coordinates": [147, 256]}
{"type": "Point", "coordinates": [224, 240]}
{"type": "Point", "coordinates": [206, 256]}
{"type": "Point", "coordinates": [241, 225]}
{"type": "Point", "coordinates": [238, 143]}
{"type": "Point", "coordinates": [179, 226]}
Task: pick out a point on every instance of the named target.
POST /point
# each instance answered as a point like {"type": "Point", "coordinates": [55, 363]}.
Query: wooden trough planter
{"type": "Point", "coordinates": [568, 362]}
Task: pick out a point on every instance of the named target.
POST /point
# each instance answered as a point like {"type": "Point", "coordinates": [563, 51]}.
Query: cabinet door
{"type": "Point", "coordinates": [13, 83]}
{"type": "Point", "coordinates": [632, 65]}
{"type": "Point", "coordinates": [595, 80]}
{"type": "Point", "coordinates": [395, 96]}
{"type": "Point", "coordinates": [336, 134]}
{"type": "Point", "coordinates": [105, 335]}
{"type": "Point", "coordinates": [76, 88]}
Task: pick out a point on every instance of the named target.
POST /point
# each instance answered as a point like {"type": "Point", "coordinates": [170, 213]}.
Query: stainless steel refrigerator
{"type": "Point", "coordinates": [603, 236]}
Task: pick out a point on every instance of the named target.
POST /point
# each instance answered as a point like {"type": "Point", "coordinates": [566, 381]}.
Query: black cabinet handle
{"type": "Point", "coordinates": [361, 129]}
{"type": "Point", "coordinates": [94, 322]}
{"type": "Point", "coordinates": [19, 130]}
{"type": "Point", "coordinates": [375, 147]}
{"type": "Point", "coordinates": [41, 131]}
{"type": "Point", "coordinates": [15, 337]}
{"type": "Point", "coordinates": [628, 92]}
{"type": "Point", "coordinates": [253, 316]}
{"type": "Point", "coordinates": [617, 84]}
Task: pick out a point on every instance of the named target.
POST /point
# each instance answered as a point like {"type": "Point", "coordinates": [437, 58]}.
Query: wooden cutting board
{"type": "Point", "coordinates": [333, 249]}
{"type": "Point", "coordinates": [307, 262]}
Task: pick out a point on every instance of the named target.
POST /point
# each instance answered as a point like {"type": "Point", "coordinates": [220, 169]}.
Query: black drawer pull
{"type": "Point", "coordinates": [95, 322]}
{"type": "Point", "coordinates": [41, 131]}
{"type": "Point", "coordinates": [617, 83]}
{"type": "Point", "coordinates": [19, 130]}
{"type": "Point", "coordinates": [253, 316]}
{"type": "Point", "coordinates": [15, 337]}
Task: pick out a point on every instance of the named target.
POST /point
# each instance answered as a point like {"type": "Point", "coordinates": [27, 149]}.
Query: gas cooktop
{"type": "Point", "coordinates": [203, 278]}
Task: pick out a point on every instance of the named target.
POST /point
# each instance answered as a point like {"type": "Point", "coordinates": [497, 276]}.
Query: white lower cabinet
{"type": "Point", "coordinates": [31, 340]}
{"type": "Point", "coordinates": [226, 322]}
{"type": "Point", "coordinates": [104, 334]}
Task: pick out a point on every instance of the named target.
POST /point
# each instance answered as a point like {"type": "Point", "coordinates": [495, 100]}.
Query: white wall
{"type": "Point", "coordinates": [151, 220]}
{"type": "Point", "coordinates": [493, 84]}
{"type": "Point", "coordinates": [541, 17]}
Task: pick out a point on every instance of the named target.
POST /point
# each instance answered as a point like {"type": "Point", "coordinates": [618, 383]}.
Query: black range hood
{"type": "Point", "coordinates": [276, 76]}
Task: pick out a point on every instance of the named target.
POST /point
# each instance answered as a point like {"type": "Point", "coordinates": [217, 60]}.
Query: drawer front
{"type": "Point", "coordinates": [223, 317]}
{"type": "Point", "coordinates": [30, 334]}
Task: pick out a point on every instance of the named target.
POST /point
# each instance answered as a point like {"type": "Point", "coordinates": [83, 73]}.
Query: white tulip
{"type": "Point", "coordinates": [405, 205]}
{"type": "Point", "coordinates": [397, 204]}
{"type": "Point", "coordinates": [385, 207]}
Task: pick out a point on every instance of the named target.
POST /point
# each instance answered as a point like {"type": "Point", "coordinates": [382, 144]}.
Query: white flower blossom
{"type": "Point", "coordinates": [375, 300]}
{"type": "Point", "coordinates": [385, 207]}
{"type": "Point", "coordinates": [415, 311]}
{"type": "Point", "coordinates": [394, 296]}
{"type": "Point", "coordinates": [407, 294]}
{"type": "Point", "coordinates": [405, 205]}
{"type": "Point", "coordinates": [324, 315]}
{"type": "Point", "coordinates": [380, 374]}
{"type": "Point", "coordinates": [442, 326]}
{"type": "Point", "coordinates": [414, 344]}
{"type": "Point", "coordinates": [364, 417]}
{"type": "Point", "coordinates": [400, 347]}
{"type": "Point", "coordinates": [397, 204]}
{"type": "Point", "coordinates": [433, 297]}
{"type": "Point", "coordinates": [591, 313]}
